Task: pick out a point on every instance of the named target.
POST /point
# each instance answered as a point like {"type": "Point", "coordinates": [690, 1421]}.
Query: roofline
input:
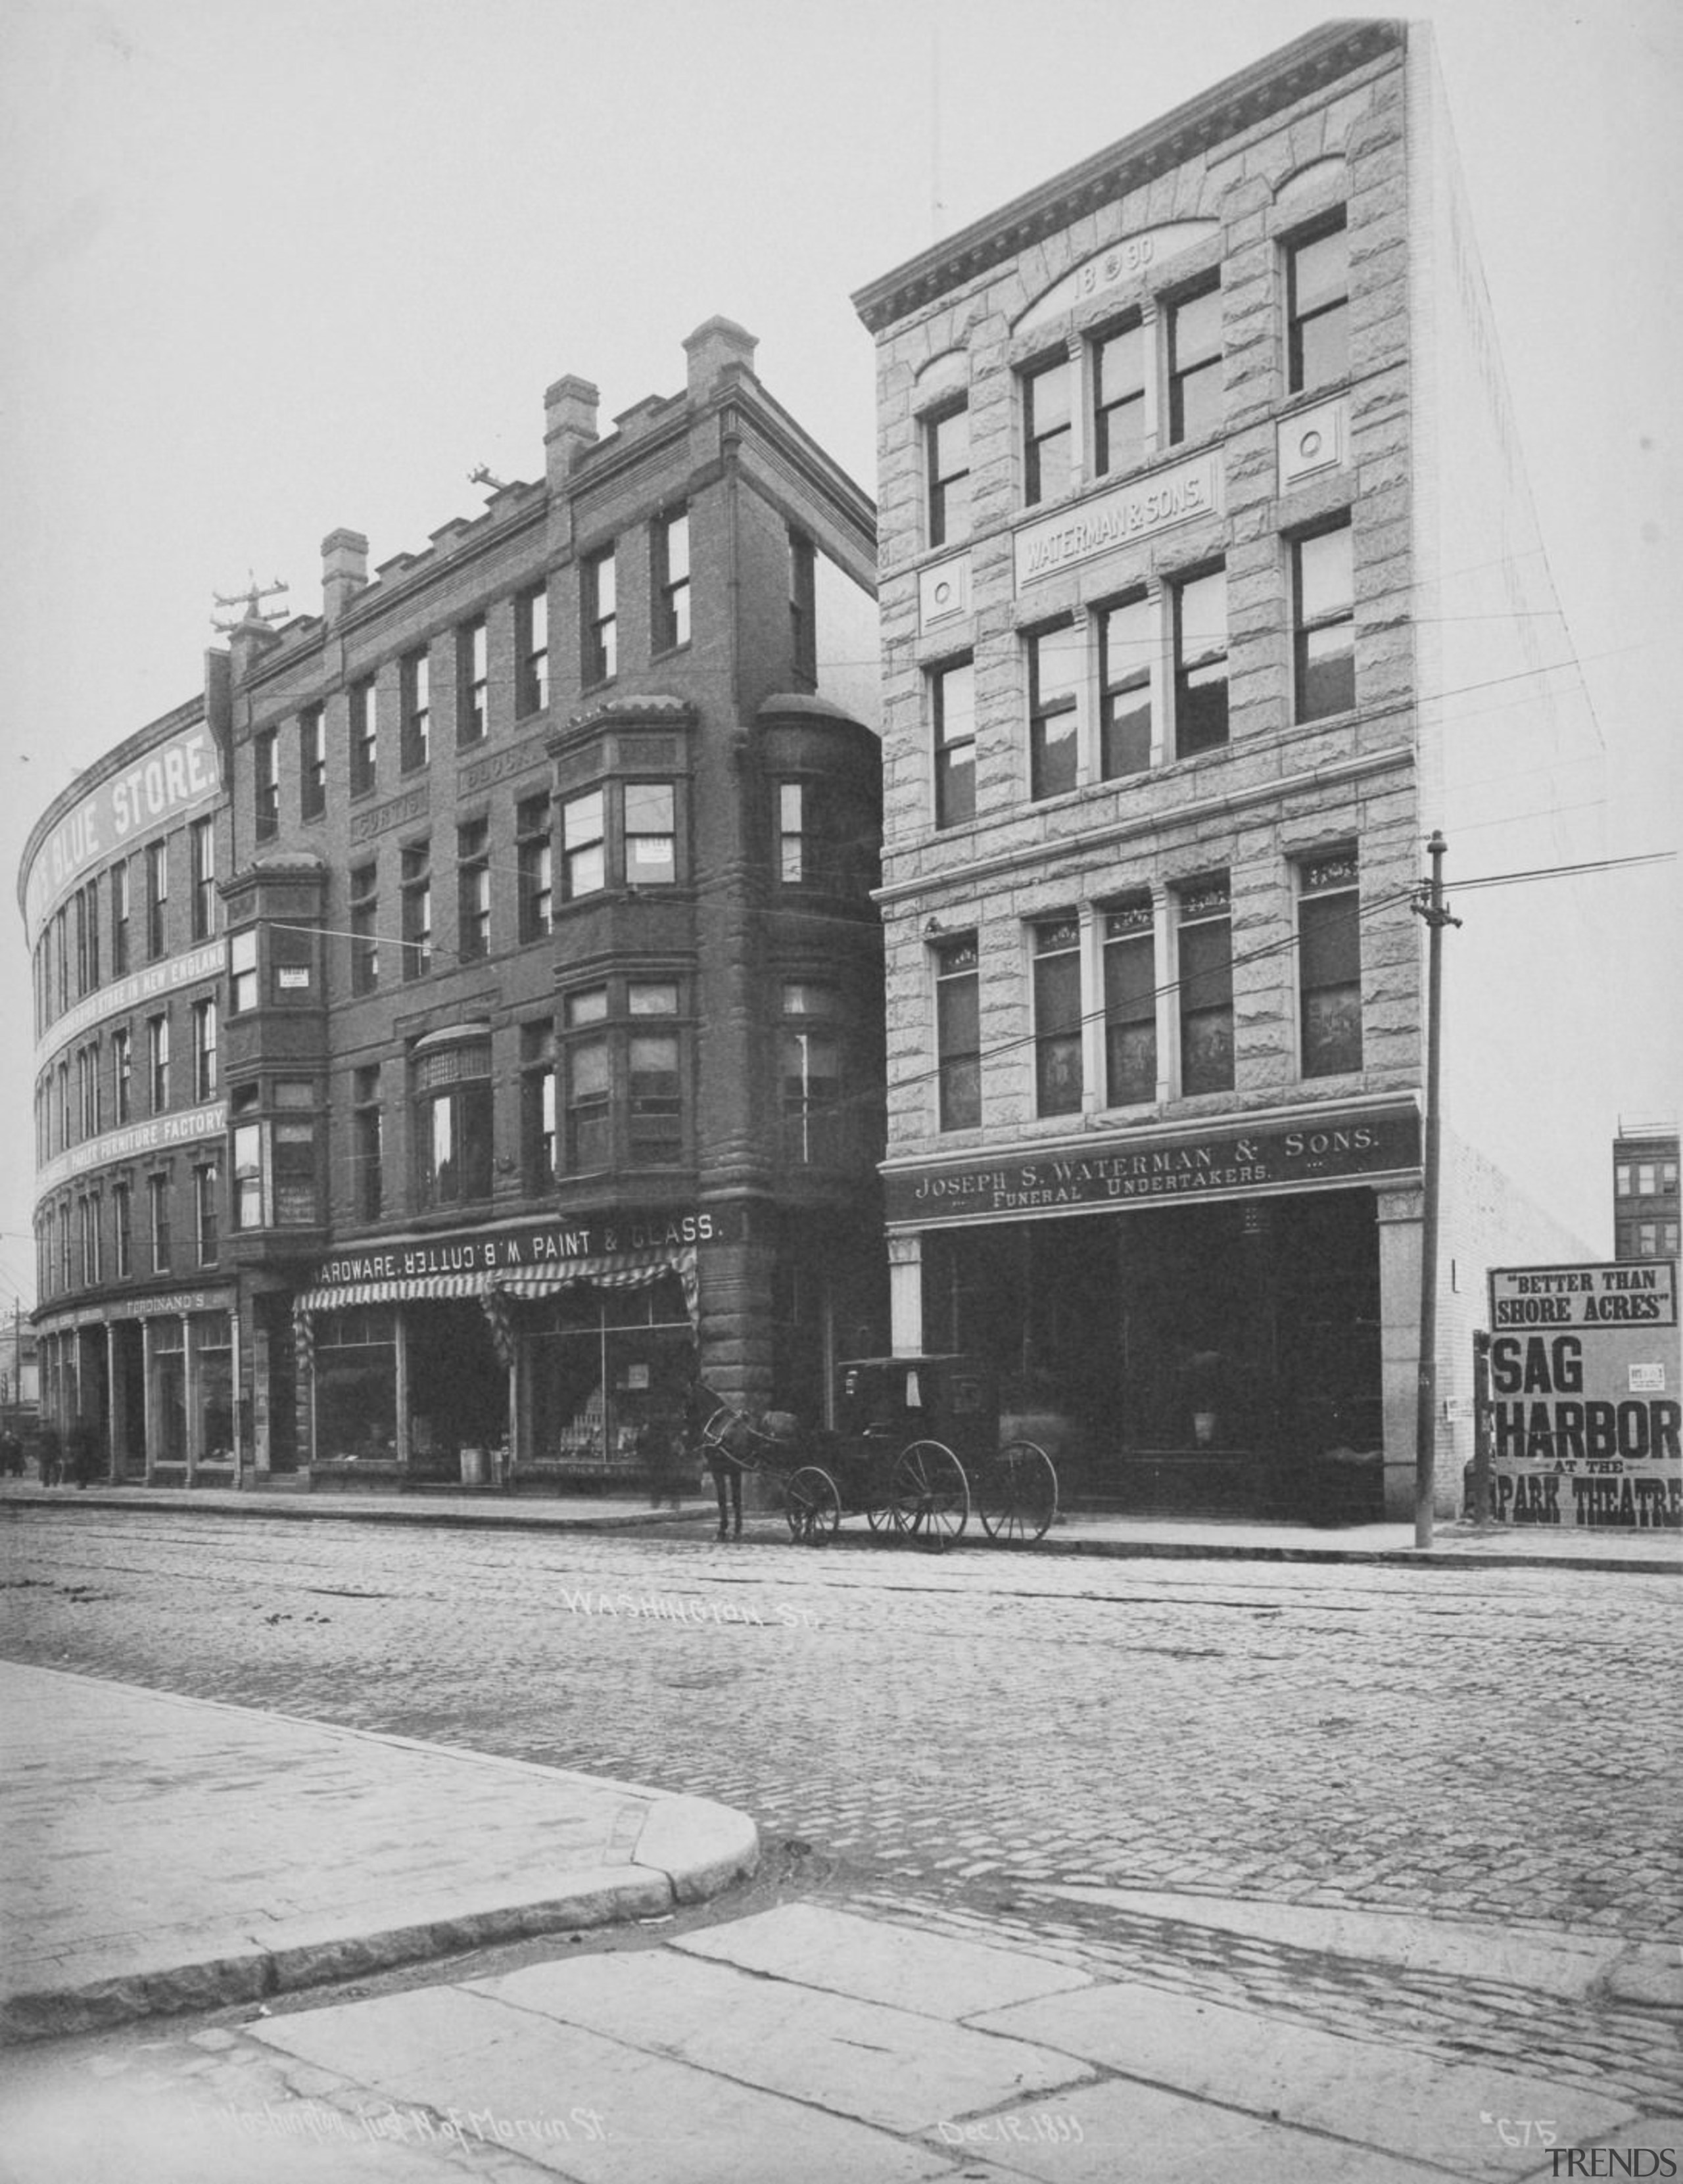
{"type": "Point", "coordinates": [1320, 55]}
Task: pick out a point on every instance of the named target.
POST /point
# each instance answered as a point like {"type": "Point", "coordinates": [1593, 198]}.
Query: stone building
{"type": "Point", "coordinates": [1201, 515]}
{"type": "Point", "coordinates": [548, 979]}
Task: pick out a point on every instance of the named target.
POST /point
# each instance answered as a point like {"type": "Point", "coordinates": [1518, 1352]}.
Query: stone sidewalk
{"type": "Point", "coordinates": [808, 2042]}
{"type": "Point", "coordinates": [165, 1854]}
{"type": "Point", "coordinates": [1653, 1554]}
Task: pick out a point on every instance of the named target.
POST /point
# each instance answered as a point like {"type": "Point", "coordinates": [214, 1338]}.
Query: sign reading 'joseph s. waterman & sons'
{"type": "Point", "coordinates": [1232, 1164]}
{"type": "Point", "coordinates": [1583, 1413]}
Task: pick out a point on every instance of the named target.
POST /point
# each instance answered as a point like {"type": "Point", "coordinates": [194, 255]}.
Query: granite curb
{"type": "Point", "coordinates": [682, 1850]}
{"type": "Point", "coordinates": [1461, 1549]}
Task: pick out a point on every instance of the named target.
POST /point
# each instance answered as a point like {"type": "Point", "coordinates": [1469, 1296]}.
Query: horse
{"type": "Point", "coordinates": [731, 1442]}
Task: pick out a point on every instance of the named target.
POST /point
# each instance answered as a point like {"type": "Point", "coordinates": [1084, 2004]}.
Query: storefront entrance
{"type": "Point", "coordinates": [1219, 1357]}
{"type": "Point", "coordinates": [458, 1391]}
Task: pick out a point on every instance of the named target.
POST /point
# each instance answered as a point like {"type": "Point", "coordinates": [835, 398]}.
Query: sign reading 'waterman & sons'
{"type": "Point", "coordinates": [1235, 1163]}
{"type": "Point", "coordinates": [1118, 519]}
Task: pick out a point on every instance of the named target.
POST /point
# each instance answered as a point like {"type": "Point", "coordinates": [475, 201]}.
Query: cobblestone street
{"type": "Point", "coordinates": [1484, 1744]}
{"type": "Point", "coordinates": [992, 1748]}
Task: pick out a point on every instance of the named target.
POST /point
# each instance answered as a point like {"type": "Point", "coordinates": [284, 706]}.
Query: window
{"type": "Point", "coordinates": [1205, 979]}
{"type": "Point", "coordinates": [122, 1070]}
{"type": "Point", "coordinates": [473, 684]}
{"type": "Point", "coordinates": [1047, 439]}
{"type": "Point", "coordinates": [1057, 1016]}
{"type": "Point", "coordinates": [583, 844]}
{"type": "Point", "coordinates": [1119, 398]}
{"type": "Point", "coordinates": [415, 731]}
{"type": "Point", "coordinates": [1317, 307]}
{"type": "Point", "coordinates": [368, 1142]}
{"type": "Point", "coordinates": [122, 1215]}
{"type": "Point", "coordinates": [85, 1083]}
{"type": "Point", "coordinates": [803, 614]}
{"type": "Point", "coordinates": [265, 782]}
{"type": "Point", "coordinates": [453, 1086]}
{"type": "Point", "coordinates": [650, 834]}
{"type": "Point", "coordinates": [1053, 671]}
{"type": "Point", "coordinates": [203, 1049]}
{"type": "Point", "coordinates": [248, 1191]}
{"type": "Point", "coordinates": [589, 1114]}
{"type": "Point", "coordinates": [205, 1214]}
{"type": "Point", "coordinates": [532, 650]}
{"type": "Point", "coordinates": [534, 867]}
{"type": "Point", "coordinates": [946, 455]}
{"type": "Point", "coordinates": [86, 909]}
{"type": "Point", "coordinates": [1201, 663]}
{"type": "Point", "coordinates": [538, 1106]}
{"type": "Point", "coordinates": [1195, 366]}
{"type": "Point", "coordinates": [810, 1055]}
{"type": "Point", "coordinates": [65, 1133]}
{"type": "Point", "coordinates": [416, 884]}
{"type": "Point", "coordinates": [669, 544]}
{"type": "Point", "coordinates": [365, 736]}
{"type": "Point", "coordinates": [158, 1206]}
{"type": "Point", "coordinates": [473, 890]}
{"type": "Point", "coordinates": [87, 1239]}
{"type": "Point", "coordinates": [1130, 1004]}
{"type": "Point", "coordinates": [156, 896]}
{"type": "Point", "coordinates": [598, 617]}
{"type": "Point", "coordinates": [958, 1034]}
{"type": "Point", "coordinates": [119, 919]}
{"type": "Point", "coordinates": [243, 971]}
{"type": "Point", "coordinates": [312, 763]}
{"type": "Point", "coordinates": [1329, 965]}
{"type": "Point", "coordinates": [953, 701]}
{"type": "Point", "coordinates": [364, 901]}
{"type": "Point", "coordinates": [1623, 1183]}
{"type": "Point", "coordinates": [792, 858]}
{"type": "Point", "coordinates": [1647, 1239]}
{"type": "Point", "coordinates": [1324, 616]}
{"type": "Point", "coordinates": [1127, 641]}
{"type": "Point", "coordinates": [157, 1062]}
{"type": "Point", "coordinates": [655, 1113]}
{"type": "Point", "coordinates": [203, 839]}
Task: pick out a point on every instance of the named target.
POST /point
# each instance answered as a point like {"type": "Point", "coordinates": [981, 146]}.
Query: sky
{"type": "Point", "coordinates": [273, 268]}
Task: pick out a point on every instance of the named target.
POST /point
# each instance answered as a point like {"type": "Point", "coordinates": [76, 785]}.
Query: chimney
{"type": "Point", "coordinates": [344, 572]}
{"type": "Point", "coordinates": [569, 426]}
{"type": "Point", "coordinates": [716, 347]}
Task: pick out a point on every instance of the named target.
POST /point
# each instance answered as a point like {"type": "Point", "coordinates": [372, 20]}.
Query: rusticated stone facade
{"type": "Point", "coordinates": [1157, 782]}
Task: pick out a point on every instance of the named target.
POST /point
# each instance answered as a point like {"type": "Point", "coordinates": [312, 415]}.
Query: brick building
{"type": "Point", "coordinates": [548, 979]}
{"type": "Point", "coordinates": [1200, 513]}
{"type": "Point", "coordinates": [1646, 1203]}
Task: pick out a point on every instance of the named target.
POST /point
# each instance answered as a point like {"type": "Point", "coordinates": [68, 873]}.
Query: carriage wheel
{"type": "Point", "coordinates": [814, 1506]}
{"type": "Point", "coordinates": [928, 1495]}
{"type": "Point", "coordinates": [1017, 1494]}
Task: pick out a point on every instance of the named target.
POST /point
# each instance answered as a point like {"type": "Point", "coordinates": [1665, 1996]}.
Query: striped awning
{"type": "Point", "coordinates": [496, 1290]}
{"type": "Point", "coordinates": [402, 1290]}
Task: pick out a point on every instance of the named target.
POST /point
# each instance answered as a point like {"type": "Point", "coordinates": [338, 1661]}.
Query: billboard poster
{"type": "Point", "coordinates": [1584, 1400]}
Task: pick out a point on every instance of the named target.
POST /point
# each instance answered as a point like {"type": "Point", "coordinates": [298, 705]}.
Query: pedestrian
{"type": "Point", "coordinates": [11, 1455]}
{"type": "Point", "coordinates": [52, 1455]}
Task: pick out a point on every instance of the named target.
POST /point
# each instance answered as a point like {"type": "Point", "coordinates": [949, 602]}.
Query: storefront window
{"type": "Point", "coordinates": [213, 1387]}
{"type": "Point", "coordinates": [356, 1384]}
{"type": "Point", "coordinates": [604, 1370]}
{"type": "Point", "coordinates": [169, 1389]}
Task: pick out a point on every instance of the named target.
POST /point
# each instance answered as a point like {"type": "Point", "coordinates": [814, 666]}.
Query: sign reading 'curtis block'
{"type": "Point", "coordinates": [1584, 1412]}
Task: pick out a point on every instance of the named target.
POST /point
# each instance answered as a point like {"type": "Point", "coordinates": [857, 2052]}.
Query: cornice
{"type": "Point", "coordinates": [1235, 103]}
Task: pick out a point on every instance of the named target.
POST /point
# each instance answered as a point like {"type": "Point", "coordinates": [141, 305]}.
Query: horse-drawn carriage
{"type": "Point", "coordinates": [915, 1449]}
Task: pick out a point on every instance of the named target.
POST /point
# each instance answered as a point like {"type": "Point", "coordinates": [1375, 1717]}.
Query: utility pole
{"type": "Point", "coordinates": [1429, 903]}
